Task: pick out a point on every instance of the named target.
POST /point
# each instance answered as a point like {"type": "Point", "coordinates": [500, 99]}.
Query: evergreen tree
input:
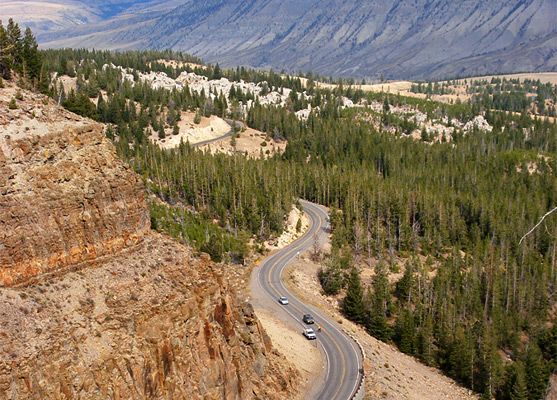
{"type": "Point", "coordinates": [405, 335]}
{"type": "Point", "coordinates": [380, 303]}
{"type": "Point", "coordinates": [14, 42]}
{"type": "Point", "coordinates": [331, 278]}
{"type": "Point", "coordinates": [517, 382]}
{"type": "Point", "coordinates": [6, 53]}
{"type": "Point", "coordinates": [535, 380]}
{"type": "Point", "coordinates": [31, 57]}
{"type": "Point", "coordinates": [353, 303]}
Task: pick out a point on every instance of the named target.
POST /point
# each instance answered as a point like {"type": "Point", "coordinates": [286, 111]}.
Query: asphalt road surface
{"type": "Point", "coordinates": [342, 355]}
{"type": "Point", "coordinates": [227, 135]}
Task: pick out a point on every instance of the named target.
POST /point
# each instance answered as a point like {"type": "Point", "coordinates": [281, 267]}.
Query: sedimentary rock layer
{"type": "Point", "coordinates": [65, 198]}
{"type": "Point", "coordinates": [152, 322]}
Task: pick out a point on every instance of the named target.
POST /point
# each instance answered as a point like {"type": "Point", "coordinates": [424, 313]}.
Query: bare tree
{"type": "Point", "coordinates": [541, 220]}
{"type": "Point", "coordinates": [316, 250]}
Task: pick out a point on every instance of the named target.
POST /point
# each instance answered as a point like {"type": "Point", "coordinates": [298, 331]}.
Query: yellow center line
{"type": "Point", "coordinates": [301, 312]}
{"type": "Point", "coordinates": [289, 253]}
{"type": "Point", "coordinates": [343, 364]}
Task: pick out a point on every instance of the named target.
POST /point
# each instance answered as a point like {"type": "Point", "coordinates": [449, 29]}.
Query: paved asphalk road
{"type": "Point", "coordinates": [342, 354]}
{"type": "Point", "coordinates": [218, 139]}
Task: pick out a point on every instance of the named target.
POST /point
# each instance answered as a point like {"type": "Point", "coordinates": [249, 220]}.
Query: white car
{"type": "Point", "coordinates": [309, 334]}
{"type": "Point", "coordinates": [283, 300]}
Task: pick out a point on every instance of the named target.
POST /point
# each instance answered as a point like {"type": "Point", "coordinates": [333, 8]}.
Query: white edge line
{"type": "Point", "coordinates": [291, 314]}
{"type": "Point", "coordinates": [294, 317]}
{"type": "Point", "coordinates": [350, 340]}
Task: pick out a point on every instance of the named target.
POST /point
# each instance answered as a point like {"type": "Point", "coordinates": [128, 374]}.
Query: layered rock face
{"type": "Point", "coordinates": [94, 305]}
{"type": "Point", "coordinates": [65, 198]}
{"type": "Point", "coordinates": [152, 322]}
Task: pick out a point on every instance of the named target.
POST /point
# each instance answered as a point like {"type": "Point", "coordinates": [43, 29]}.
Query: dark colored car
{"type": "Point", "coordinates": [308, 319]}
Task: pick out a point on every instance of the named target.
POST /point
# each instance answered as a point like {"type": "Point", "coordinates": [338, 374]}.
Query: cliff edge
{"type": "Point", "coordinates": [95, 305]}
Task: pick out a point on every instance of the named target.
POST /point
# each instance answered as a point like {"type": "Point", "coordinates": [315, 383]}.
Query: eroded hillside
{"type": "Point", "coordinates": [95, 304]}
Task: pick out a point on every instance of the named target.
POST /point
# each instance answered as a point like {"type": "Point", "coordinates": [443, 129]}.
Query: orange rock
{"type": "Point", "coordinates": [75, 238]}
{"type": "Point", "coordinates": [51, 230]}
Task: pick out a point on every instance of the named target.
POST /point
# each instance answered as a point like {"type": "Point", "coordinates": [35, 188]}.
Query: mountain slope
{"type": "Point", "coordinates": [95, 305]}
{"type": "Point", "coordinates": [351, 38]}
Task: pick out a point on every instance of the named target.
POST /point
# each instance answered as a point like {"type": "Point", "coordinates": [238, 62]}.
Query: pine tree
{"type": "Point", "coordinates": [161, 132]}
{"type": "Point", "coordinates": [535, 381]}
{"type": "Point", "coordinates": [517, 382]}
{"type": "Point", "coordinates": [217, 72]}
{"type": "Point", "coordinates": [353, 304]}
{"type": "Point", "coordinates": [406, 332]}
{"type": "Point", "coordinates": [31, 56]}
{"type": "Point", "coordinates": [6, 53]}
{"type": "Point", "coordinates": [14, 43]}
{"type": "Point", "coordinates": [425, 342]}
{"type": "Point", "coordinates": [102, 108]}
{"type": "Point", "coordinates": [380, 303]}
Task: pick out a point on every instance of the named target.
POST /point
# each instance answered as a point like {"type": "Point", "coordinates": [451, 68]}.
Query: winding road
{"type": "Point", "coordinates": [343, 357]}
{"type": "Point", "coordinates": [227, 135]}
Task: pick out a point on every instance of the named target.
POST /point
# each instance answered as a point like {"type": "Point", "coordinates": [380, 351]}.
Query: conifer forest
{"type": "Point", "coordinates": [473, 295]}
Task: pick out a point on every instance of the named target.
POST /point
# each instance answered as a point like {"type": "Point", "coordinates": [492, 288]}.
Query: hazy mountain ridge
{"type": "Point", "coordinates": [407, 40]}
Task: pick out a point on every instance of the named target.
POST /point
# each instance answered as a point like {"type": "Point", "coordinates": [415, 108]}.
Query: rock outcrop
{"type": "Point", "coordinates": [152, 322]}
{"type": "Point", "coordinates": [65, 198]}
{"type": "Point", "coordinates": [97, 306]}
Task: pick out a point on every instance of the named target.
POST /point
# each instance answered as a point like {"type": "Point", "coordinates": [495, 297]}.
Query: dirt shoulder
{"type": "Point", "coordinates": [306, 356]}
{"type": "Point", "coordinates": [250, 142]}
{"type": "Point", "coordinates": [303, 354]}
{"type": "Point", "coordinates": [390, 374]}
{"type": "Point", "coordinates": [207, 129]}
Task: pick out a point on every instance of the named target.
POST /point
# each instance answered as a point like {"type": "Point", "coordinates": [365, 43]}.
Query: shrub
{"type": "Point", "coordinates": [197, 118]}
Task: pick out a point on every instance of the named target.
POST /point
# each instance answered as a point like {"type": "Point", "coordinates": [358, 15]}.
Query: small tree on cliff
{"type": "Point", "coordinates": [31, 57]}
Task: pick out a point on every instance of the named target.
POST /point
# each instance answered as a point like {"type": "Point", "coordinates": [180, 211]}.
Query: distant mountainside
{"type": "Point", "coordinates": [403, 39]}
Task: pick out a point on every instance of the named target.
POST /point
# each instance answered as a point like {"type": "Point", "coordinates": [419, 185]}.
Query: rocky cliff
{"type": "Point", "coordinates": [151, 322]}
{"type": "Point", "coordinates": [94, 304]}
{"type": "Point", "coordinates": [65, 199]}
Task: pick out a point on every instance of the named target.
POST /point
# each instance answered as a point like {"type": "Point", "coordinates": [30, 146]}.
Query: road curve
{"type": "Point", "coordinates": [227, 135]}
{"type": "Point", "coordinates": [343, 358]}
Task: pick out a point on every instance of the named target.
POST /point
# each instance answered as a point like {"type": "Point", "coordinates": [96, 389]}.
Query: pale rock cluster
{"type": "Point", "coordinates": [216, 87]}
{"type": "Point", "coordinates": [126, 75]}
{"type": "Point", "coordinates": [478, 122]}
{"type": "Point", "coordinates": [438, 130]}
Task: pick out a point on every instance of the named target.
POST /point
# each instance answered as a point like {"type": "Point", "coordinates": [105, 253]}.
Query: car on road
{"type": "Point", "coordinates": [309, 334]}
{"type": "Point", "coordinates": [283, 300]}
{"type": "Point", "coordinates": [308, 319]}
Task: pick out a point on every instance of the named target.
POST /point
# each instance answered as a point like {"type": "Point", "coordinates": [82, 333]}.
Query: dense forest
{"type": "Point", "coordinates": [448, 218]}
{"type": "Point", "coordinates": [450, 215]}
{"type": "Point", "coordinates": [503, 94]}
